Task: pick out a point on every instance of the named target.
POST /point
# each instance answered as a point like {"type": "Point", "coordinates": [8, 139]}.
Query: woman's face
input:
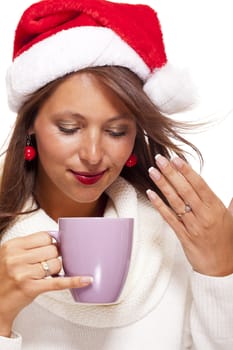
{"type": "Point", "coordinates": [84, 135]}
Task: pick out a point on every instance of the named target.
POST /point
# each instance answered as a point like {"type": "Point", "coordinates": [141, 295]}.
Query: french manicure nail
{"type": "Point", "coordinates": [154, 173]}
{"type": "Point", "coordinates": [86, 279]}
{"type": "Point", "coordinates": [151, 194]}
{"type": "Point", "coordinates": [178, 162]}
{"type": "Point", "coordinates": [162, 161]}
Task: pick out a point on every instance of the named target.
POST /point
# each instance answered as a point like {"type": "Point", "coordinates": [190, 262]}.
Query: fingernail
{"type": "Point", "coordinates": [160, 160]}
{"type": "Point", "coordinates": [178, 162]}
{"type": "Point", "coordinates": [86, 280]}
{"type": "Point", "coordinates": [151, 194]}
{"type": "Point", "coordinates": [155, 174]}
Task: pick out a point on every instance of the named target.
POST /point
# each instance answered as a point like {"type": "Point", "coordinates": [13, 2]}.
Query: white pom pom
{"type": "Point", "coordinates": [171, 89]}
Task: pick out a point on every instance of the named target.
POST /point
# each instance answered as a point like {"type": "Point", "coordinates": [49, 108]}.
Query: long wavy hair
{"type": "Point", "coordinates": [156, 133]}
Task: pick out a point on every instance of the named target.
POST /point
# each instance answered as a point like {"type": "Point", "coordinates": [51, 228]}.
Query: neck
{"type": "Point", "coordinates": [71, 209]}
{"type": "Point", "coordinates": [56, 204]}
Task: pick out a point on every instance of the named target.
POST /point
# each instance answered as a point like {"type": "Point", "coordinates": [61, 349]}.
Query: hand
{"type": "Point", "coordinates": [22, 275]}
{"type": "Point", "coordinates": [200, 220]}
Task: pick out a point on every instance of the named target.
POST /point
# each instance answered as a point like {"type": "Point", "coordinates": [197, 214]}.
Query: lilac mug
{"type": "Point", "coordinates": [98, 247]}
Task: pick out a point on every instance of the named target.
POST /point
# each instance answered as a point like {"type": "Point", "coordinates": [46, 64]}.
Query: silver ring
{"type": "Point", "coordinates": [187, 209]}
{"type": "Point", "coordinates": [46, 268]}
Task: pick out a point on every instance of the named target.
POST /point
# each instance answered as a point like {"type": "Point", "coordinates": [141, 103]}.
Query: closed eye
{"type": "Point", "coordinates": [68, 131]}
{"type": "Point", "coordinates": [116, 133]}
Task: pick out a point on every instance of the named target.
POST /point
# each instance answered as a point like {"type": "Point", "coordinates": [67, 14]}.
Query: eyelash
{"type": "Point", "coordinates": [68, 131]}
{"type": "Point", "coordinates": [72, 131]}
{"type": "Point", "coordinates": [115, 133]}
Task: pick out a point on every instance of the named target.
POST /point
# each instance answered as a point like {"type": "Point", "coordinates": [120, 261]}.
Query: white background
{"type": "Point", "coordinates": [198, 36]}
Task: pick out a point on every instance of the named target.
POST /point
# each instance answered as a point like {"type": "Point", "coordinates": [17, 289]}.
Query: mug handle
{"type": "Point", "coordinates": [55, 235]}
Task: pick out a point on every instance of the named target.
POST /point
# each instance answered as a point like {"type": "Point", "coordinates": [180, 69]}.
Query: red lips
{"type": "Point", "coordinates": [88, 178]}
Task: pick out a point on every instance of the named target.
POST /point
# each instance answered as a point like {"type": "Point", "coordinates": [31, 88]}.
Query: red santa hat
{"type": "Point", "coordinates": [57, 37]}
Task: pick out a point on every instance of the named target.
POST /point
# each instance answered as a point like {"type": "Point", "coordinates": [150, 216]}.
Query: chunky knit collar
{"type": "Point", "coordinates": [150, 270]}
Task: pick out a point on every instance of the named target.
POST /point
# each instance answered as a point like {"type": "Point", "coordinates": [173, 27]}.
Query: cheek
{"type": "Point", "coordinates": [50, 149]}
{"type": "Point", "coordinates": [121, 153]}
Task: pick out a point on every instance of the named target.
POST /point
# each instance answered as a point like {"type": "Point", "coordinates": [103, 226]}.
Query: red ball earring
{"type": "Point", "coordinates": [132, 161]}
{"type": "Point", "coordinates": [29, 150]}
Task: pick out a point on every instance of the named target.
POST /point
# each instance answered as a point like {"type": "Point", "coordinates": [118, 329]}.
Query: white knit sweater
{"type": "Point", "coordinates": [165, 305]}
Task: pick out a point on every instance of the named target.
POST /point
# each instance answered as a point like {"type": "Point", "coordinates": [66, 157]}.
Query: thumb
{"type": "Point", "coordinates": [231, 206]}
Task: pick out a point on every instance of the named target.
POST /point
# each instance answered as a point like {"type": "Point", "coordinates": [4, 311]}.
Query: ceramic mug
{"type": "Point", "coordinates": [98, 247]}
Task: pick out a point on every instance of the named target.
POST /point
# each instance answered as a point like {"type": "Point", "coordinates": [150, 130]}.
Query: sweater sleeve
{"type": "Point", "coordinates": [211, 318]}
{"type": "Point", "coordinates": [12, 343]}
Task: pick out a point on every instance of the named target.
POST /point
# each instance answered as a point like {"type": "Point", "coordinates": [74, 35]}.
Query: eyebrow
{"type": "Point", "coordinates": [77, 115]}
{"type": "Point", "coordinates": [119, 117]}
{"type": "Point", "coordinates": [65, 113]}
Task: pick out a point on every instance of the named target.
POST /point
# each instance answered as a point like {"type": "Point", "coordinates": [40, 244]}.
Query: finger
{"type": "Point", "coordinates": [53, 267]}
{"type": "Point", "coordinates": [231, 206]}
{"type": "Point", "coordinates": [197, 182]}
{"type": "Point", "coordinates": [169, 216]}
{"type": "Point", "coordinates": [60, 283]}
{"type": "Point", "coordinates": [179, 183]}
{"type": "Point", "coordinates": [174, 198]}
{"type": "Point", "coordinates": [25, 272]}
{"type": "Point", "coordinates": [169, 192]}
{"type": "Point", "coordinates": [33, 240]}
{"type": "Point", "coordinates": [36, 255]}
{"type": "Point", "coordinates": [20, 262]}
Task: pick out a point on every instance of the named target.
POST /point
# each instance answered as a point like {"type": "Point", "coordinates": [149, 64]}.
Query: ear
{"type": "Point", "coordinates": [31, 130]}
{"type": "Point", "coordinates": [231, 206]}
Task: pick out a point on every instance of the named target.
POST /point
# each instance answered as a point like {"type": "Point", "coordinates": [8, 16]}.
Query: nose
{"type": "Point", "coordinates": [91, 150]}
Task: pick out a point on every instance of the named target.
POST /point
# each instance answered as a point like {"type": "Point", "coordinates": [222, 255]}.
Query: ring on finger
{"type": "Point", "coordinates": [187, 209]}
{"type": "Point", "coordinates": [45, 268]}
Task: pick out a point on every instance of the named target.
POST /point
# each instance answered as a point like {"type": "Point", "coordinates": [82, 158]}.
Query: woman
{"type": "Point", "coordinates": [88, 129]}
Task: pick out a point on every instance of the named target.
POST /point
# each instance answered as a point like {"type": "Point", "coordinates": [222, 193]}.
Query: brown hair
{"type": "Point", "coordinates": [156, 133]}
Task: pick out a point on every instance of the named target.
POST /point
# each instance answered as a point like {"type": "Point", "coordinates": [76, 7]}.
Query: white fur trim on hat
{"type": "Point", "coordinates": [80, 47]}
{"type": "Point", "coordinates": [65, 52]}
{"type": "Point", "coordinates": [170, 89]}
